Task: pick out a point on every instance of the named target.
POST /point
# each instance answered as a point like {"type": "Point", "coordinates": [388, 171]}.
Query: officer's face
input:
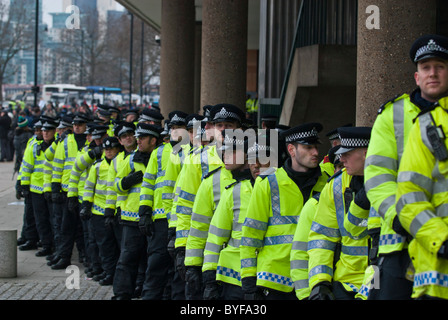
{"type": "Point", "coordinates": [256, 168]}
{"type": "Point", "coordinates": [354, 161]}
{"type": "Point", "coordinates": [48, 135]}
{"type": "Point", "coordinates": [304, 157]}
{"type": "Point", "coordinates": [127, 140]}
{"type": "Point", "coordinates": [432, 78]}
{"type": "Point", "coordinates": [234, 160]}
{"type": "Point", "coordinates": [146, 143]}
{"type": "Point", "coordinates": [224, 125]}
{"type": "Point", "coordinates": [110, 153]}
{"type": "Point", "coordinates": [178, 133]}
{"type": "Point", "coordinates": [79, 128]}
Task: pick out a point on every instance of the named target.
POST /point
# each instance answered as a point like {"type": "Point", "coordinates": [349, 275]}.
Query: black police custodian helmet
{"type": "Point", "coordinates": [429, 46]}
{"type": "Point", "coordinates": [354, 137]}
{"type": "Point", "coordinates": [307, 133]}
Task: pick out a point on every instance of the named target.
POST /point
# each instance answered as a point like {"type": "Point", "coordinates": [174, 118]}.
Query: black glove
{"type": "Point", "coordinates": [193, 278]}
{"type": "Point", "coordinates": [443, 251]}
{"type": "Point", "coordinates": [171, 241]}
{"type": "Point", "coordinates": [96, 152]}
{"type": "Point", "coordinates": [398, 228]}
{"type": "Point", "coordinates": [109, 217]}
{"type": "Point", "coordinates": [56, 194]}
{"type": "Point", "coordinates": [250, 289]}
{"type": "Point", "coordinates": [361, 199]}
{"type": "Point", "coordinates": [86, 210]}
{"type": "Point", "coordinates": [73, 204]}
{"type": "Point", "coordinates": [145, 223]}
{"type": "Point", "coordinates": [19, 194]}
{"type": "Point", "coordinates": [322, 291]}
{"type": "Point", "coordinates": [26, 191]}
{"type": "Point", "coordinates": [180, 262]}
{"type": "Point", "coordinates": [131, 179]}
{"type": "Point", "coordinates": [47, 196]}
{"type": "Point", "coordinates": [211, 290]}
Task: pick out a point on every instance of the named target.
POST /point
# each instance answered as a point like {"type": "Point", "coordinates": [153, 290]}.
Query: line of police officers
{"type": "Point", "coordinates": [194, 211]}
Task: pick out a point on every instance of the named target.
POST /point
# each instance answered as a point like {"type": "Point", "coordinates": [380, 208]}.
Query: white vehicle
{"type": "Point", "coordinates": [49, 89]}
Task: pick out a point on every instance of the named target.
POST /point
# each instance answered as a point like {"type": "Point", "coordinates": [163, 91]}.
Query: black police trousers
{"type": "Point", "coordinates": [29, 229]}
{"type": "Point", "coordinates": [107, 244]}
{"type": "Point", "coordinates": [159, 273]}
{"type": "Point", "coordinates": [42, 218]}
{"type": "Point", "coordinates": [132, 250]}
{"type": "Point", "coordinates": [71, 232]}
{"type": "Point", "coordinates": [393, 283]}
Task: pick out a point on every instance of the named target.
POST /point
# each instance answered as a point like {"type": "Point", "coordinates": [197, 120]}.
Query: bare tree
{"type": "Point", "coordinates": [16, 30]}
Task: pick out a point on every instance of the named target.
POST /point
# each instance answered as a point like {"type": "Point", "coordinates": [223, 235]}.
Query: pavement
{"type": "Point", "coordinates": [35, 280]}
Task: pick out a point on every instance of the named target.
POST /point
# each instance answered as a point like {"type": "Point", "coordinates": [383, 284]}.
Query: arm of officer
{"type": "Point", "coordinates": [381, 167]}
{"type": "Point", "coordinates": [299, 254]}
{"type": "Point", "coordinates": [416, 197]}
{"type": "Point", "coordinates": [323, 239]}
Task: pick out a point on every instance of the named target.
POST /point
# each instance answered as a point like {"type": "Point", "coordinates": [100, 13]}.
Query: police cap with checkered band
{"type": "Point", "coordinates": [307, 133]}
{"type": "Point", "coordinates": [353, 138]}
{"type": "Point", "coordinates": [429, 46]}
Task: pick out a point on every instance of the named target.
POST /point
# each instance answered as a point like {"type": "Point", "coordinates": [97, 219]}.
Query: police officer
{"type": "Point", "coordinates": [221, 268]}
{"type": "Point", "coordinates": [338, 258]}
{"type": "Point", "coordinates": [422, 200]}
{"type": "Point", "coordinates": [389, 138]}
{"type": "Point", "coordinates": [30, 233]}
{"type": "Point", "coordinates": [299, 254]}
{"type": "Point", "coordinates": [128, 183]}
{"type": "Point", "coordinates": [33, 185]}
{"type": "Point", "coordinates": [94, 201]}
{"type": "Point", "coordinates": [271, 220]}
{"type": "Point", "coordinates": [205, 160]}
{"type": "Point", "coordinates": [71, 228]}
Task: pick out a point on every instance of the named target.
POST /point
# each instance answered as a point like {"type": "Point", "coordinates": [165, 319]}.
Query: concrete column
{"type": "Point", "coordinates": [384, 68]}
{"type": "Point", "coordinates": [224, 52]}
{"type": "Point", "coordinates": [177, 56]}
{"type": "Point", "coordinates": [8, 253]}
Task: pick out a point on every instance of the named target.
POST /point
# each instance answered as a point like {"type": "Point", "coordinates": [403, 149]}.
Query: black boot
{"type": "Point", "coordinates": [99, 277]}
{"type": "Point", "coordinates": [21, 241]}
{"type": "Point", "coordinates": [29, 245]}
{"type": "Point", "coordinates": [107, 280]}
{"type": "Point", "coordinates": [45, 251]}
{"type": "Point", "coordinates": [61, 264]}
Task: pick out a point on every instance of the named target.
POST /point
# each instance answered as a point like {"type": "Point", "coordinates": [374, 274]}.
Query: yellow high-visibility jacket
{"type": "Point", "coordinates": [422, 203]}
{"type": "Point", "coordinates": [79, 173]}
{"type": "Point", "coordinates": [328, 233]}
{"type": "Point", "coordinates": [299, 253]}
{"type": "Point", "coordinates": [205, 203]}
{"type": "Point", "coordinates": [172, 173]}
{"type": "Point", "coordinates": [113, 199]}
{"type": "Point", "coordinates": [95, 189]}
{"type": "Point", "coordinates": [63, 161]}
{"type": "Point", "coordinates": [153, 180]}
{"type": "Point", "coordinates": [32, 168]}
{"type": "Point", "coordinates": [269, 228]}
{"type": "Point", "coordinates": [222, 250]}
{"type": "Point", "coordinates": [199, 165]}
{"type": "Point", "coordinates": [389, 135]}
{"type": "Point", "coordinates": [131, 197]}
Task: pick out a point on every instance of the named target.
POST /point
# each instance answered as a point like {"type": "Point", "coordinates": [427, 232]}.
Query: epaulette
{"type": "Point", "coordinates": [211, 173]}
{"type": "Point", "coordinates": [316, 196]}
{"type": "Point", "coordinates": [384, 105]}
{"type": "Point", "coordinates": [335, 175]}
{"type": "Point", "coordinates": [99, 160]}
{"type": "Point", "coordinates": [232, 184]}
{"type": "Point", "coordinates": [268, 172]}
